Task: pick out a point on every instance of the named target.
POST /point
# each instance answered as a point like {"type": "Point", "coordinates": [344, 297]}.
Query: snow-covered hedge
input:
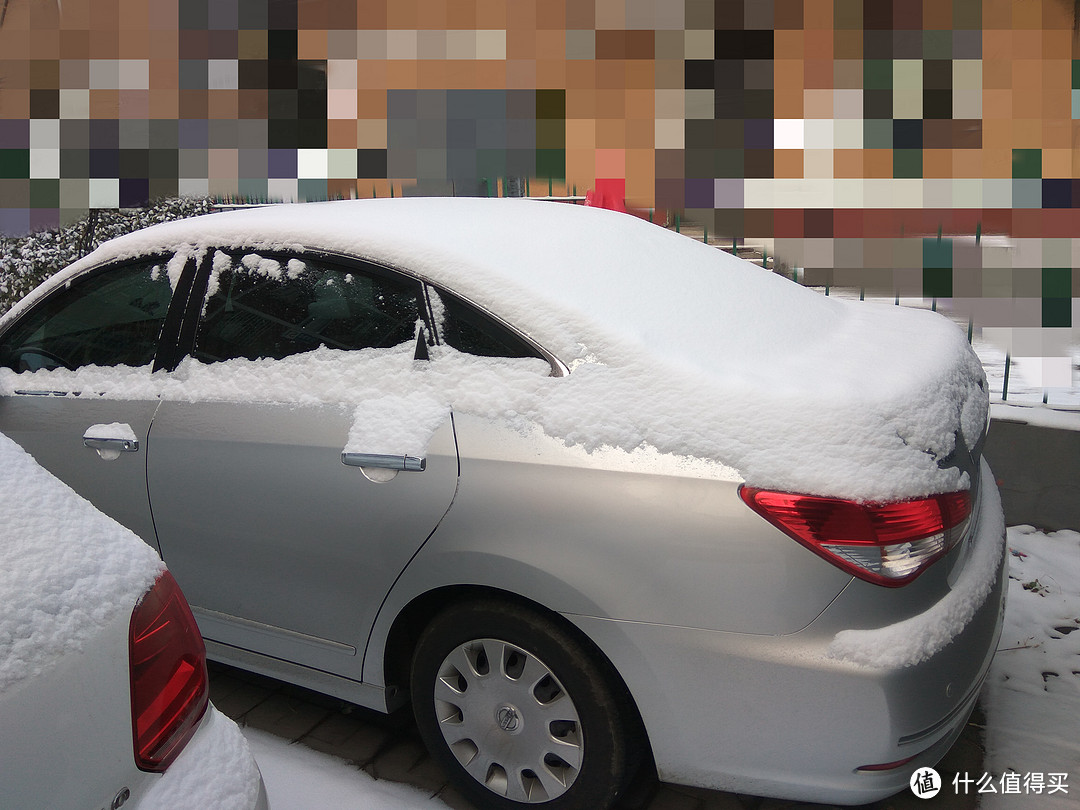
{"type": "Point", "coordinates": [26, 261]}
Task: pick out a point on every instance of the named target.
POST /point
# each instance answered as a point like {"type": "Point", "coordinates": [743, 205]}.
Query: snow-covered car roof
{"type": "Point", "coordinates": [552, 268]}
{"type": "Point", "coordinates": [66, 570]}
{"type": "Point", "coordinates": [675, 345]}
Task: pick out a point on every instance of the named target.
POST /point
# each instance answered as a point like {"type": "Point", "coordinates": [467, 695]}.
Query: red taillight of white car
{"type": "Point", "coordinates": [885, 543]}
{"type": "Point", "coordinates": [169, 686]}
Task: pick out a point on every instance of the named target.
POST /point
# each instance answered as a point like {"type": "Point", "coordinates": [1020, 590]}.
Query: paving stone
{"type": "Point", "coordinates": [356, 739]}
{"type": "Point", "coordinates": [709, 799]}
{"type": "Point", "coordinates": [234, 697]}
{"type": "Point", "coordinates": [788, 804]}
{"type": "Point", "coordinates": [408, 761]}
{"type": "Point", "coordinates": [454, 800]}
{"type": "Point", "coordinates": [668, 799]}
{"type": "Point", "coordinates": [286, 716]}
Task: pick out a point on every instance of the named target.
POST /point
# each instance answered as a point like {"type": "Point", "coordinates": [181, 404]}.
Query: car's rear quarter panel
{"type": "Point", "coordinates": [632, 543]}
{"type": "Point", "coordinates": [67, 738]}
{"type": "Point", "coordinates": [577, 534]}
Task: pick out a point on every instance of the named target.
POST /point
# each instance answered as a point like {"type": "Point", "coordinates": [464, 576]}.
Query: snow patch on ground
{"type": "Point", "coordinates": [298, 778]}
{"type": "Point", "coordinates": [1032, 693]}
{"type": "Point", "coordinates": [1061, 417]}
{"type": "Point", "coordinates": [66, 570]}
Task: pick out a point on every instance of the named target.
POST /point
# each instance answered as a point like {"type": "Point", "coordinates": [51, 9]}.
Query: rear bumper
{"type": "Point", "coordinates": [215, 771]}
{"type": "Point", "coordinates": [787, 716]}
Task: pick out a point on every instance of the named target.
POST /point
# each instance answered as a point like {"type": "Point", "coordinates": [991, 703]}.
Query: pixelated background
{"type": "Point", "coordinates": [921, 148]}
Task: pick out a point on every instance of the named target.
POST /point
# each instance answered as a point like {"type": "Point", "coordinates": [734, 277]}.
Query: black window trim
{"type": "Point", "coordinates": [558, 368]}
{"type": "Point", "coordinates": [169, 352]}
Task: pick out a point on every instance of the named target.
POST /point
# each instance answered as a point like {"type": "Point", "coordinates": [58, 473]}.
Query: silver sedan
{"type": "Point", "coordinates": [592, 496]}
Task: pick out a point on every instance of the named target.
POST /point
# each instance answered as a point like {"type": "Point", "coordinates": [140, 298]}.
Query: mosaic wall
{"type": "Point", "coordinates": [923, 147]}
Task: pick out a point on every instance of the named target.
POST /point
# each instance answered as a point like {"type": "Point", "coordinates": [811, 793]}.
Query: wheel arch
{"type": "Point", "coordinates": [415, 616]}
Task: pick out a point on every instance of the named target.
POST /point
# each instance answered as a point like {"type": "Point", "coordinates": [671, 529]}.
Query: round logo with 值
{"type": "Point", "coordinates": [925, 783]}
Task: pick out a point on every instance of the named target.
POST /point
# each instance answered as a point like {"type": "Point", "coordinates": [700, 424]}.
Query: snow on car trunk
{"type": "Point", "coordinates": [673, 345]}
{"type": "Point", "coordinates": [66, 570]}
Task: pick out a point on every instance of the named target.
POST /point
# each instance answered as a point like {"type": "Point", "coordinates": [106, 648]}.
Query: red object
{"type": "Point", "coordinates": [609, 193]}
{"type": "Point", "coordinates": [169, 684]}
{"type": "Point", "coordinates": [888, 543]}
{"type": "Point", "coordinates": [887, 766]}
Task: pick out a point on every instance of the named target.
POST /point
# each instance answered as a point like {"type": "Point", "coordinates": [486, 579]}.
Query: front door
{"type": "Point", "coordinates": [76, 388]}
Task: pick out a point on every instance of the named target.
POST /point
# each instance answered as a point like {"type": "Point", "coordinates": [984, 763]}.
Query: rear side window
{"type": "Point", "coordinates": [274, 306]}
{"type": "Point", "coordinates": [469, 330]}
{"type": "Point", "coordinates": [109, 318]}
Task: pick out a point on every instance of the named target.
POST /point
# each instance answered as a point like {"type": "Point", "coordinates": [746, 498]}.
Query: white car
{"type": "Point", "coordinates": [103, 688]}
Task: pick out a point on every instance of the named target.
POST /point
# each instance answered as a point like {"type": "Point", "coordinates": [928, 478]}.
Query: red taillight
{"type": "Point", "coordinates": [884, 543]}
{"type": "Point", "coordinates": [169, 689]}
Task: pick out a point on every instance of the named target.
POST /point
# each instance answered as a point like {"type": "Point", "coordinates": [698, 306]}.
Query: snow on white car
{"type": "Point", "coordinates": [585, 491]}
{"type": "Point", "coordinates": [103, 687]}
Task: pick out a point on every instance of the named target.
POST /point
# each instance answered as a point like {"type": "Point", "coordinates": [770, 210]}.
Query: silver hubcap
{"type": "Point", "coordinates": [508, 720]}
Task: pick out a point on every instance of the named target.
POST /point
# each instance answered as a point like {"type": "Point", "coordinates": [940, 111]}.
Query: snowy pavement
{"type": "Point", "coordinates": [1032, 695]}
{"type": "Point", "coordinates": [1031, 706]}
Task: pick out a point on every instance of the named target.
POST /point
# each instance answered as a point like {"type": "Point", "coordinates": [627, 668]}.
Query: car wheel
{"type": "Point", "coordinates": [520, 712]}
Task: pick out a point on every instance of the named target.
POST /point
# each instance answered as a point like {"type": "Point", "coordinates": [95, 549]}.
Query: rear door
{"type": "Point", "coordinates": [75, 379]}
{"type": "Point", "coordinates": [290, 484]}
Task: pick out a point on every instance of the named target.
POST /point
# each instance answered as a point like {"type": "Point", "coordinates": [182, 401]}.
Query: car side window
{"type": "Point", "coordinates": [274, 306]}
{"type": "Point", "coordinates": [467, 329]}
{"type": "Point", "coordinates": [111, 317]}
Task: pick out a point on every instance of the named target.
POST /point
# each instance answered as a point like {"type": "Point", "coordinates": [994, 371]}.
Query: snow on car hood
{"type": "Point", "coordinates": [66, 570]}
{"type": "Point", "coordinates": [673, 344]}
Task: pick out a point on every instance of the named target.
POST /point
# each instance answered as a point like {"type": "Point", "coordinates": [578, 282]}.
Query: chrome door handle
{"type": "Point", "coordinates": [384, 461]}
{"type": "Point", "coordinates": [119, 445]}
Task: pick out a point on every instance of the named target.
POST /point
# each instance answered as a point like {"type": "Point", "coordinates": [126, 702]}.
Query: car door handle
{"type": "Point", "coordinates": [102, 443]}
{"type": "Point", "coordinates": [111, 440]}
{"type": "Point", "coordinates": [385, 461]}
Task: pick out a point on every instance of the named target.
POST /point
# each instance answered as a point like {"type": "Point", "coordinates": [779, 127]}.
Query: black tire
{"type": "Point", "coordinates": [573, 742]}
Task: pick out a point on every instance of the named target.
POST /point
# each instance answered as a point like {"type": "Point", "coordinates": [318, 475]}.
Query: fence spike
{"type": "Point", "coordinates": [1005, 384]}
